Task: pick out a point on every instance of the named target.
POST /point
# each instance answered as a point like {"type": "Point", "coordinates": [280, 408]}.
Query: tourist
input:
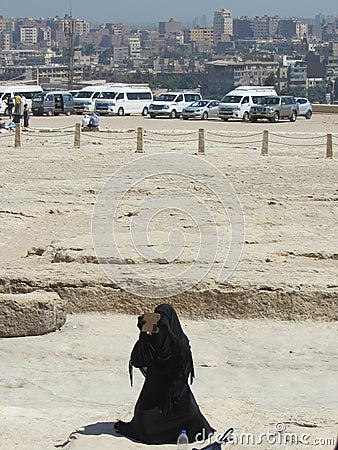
{"type": "Point", "coordinates": [26, 116]}
{"type": "Point", "coordinates": [166, 404]}
{"type": "Point", "coordinates": [85, 121]}
{"type": "Point", "coordinates": [10, 105]}
{"type": "Point", "coordinates": [17, 114]}
{"type": "Point", "coordinates": [93, 121]}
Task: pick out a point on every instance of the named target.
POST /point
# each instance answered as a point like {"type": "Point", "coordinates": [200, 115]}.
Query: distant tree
{"type": "Point", "coordinates": [89, 49]}
{"type": "Point", "coordinates": [317, 93]}
{"type": "Point", "coordinates": [270, 80]}
{"type": "Point", "coordinates": [105, 56]}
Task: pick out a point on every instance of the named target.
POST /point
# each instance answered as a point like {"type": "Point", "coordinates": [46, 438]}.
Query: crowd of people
{"type": "Point", "coordinates": [18, 109]}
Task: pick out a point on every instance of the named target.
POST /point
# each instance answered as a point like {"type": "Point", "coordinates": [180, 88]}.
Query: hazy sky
{"type": "Point", "coordinates": [147, 11]}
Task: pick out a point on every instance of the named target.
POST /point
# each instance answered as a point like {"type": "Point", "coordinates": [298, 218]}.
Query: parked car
{"type": "Point", "coordinates": [275, 108]}
{"type": "Point", "coordinates": [236, 104]}
{"type": "Point", "coordinates": [53, 103]}
{"type": "Point", "coordinates": [201, 109]}
{"type": "Point", "coordinates": [305, 107]}
{"type": "Point", "coordinates": [171, 104]}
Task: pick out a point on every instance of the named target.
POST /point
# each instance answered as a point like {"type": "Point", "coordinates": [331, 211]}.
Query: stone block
{"type": "Point", "coordinates": [31, 314]}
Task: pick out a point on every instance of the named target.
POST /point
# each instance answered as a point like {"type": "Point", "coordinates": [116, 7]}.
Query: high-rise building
{"type": "Point", "coordinates": [223, 25]}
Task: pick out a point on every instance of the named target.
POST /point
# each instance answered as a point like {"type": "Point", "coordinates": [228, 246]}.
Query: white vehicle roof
{"type": "Point", "coordinates": [252, 89]}
{"type": "Point", "coordinates": [20, 88]}
{"type": "Point", "coordinates": [95, 88]}
{"type": "Point", "coordinates": [124, 86]}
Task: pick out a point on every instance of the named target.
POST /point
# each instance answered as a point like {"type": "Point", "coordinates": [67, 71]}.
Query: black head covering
{"type": "Point", "coordinates": [172, 339]}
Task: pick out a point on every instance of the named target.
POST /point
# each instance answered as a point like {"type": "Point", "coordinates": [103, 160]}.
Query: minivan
{"type": "Point", "coordinates": [124, 99]}
{"type": "Point", "coordinates": [84, 100]}
{"type": "Point", "coordinates": [53, 103]}
{"type": "Point", "coordinates": [236, 104]}
{"type": "Point", "coordinates": [170, 104]}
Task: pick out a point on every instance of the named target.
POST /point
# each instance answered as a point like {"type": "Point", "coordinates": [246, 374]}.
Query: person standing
{"type": "Point", "coordinates": [166, 404]}
{"type": "Point", "coordinates": [17, 105]}
{"type": "Point", "coordinates": [10, 104]}
{"type": "Point", "coordinates": [26, 116]}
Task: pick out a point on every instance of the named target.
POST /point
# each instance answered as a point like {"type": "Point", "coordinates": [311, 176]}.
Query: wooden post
{"type": "Point", "coordinates": [329, 146]}
{"type": "Point", "coordinates": [265, 143]}
{"type": "Point", "coordinates": [77, 135]}
{"type": "Point", "coordinates": [139, 147]}
{"type": "Point", "coordinates": [201, 142]}
{"type": "Point", "coordinates": [17, 140]}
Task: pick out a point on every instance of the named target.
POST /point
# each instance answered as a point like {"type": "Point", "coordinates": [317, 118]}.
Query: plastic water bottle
{"type": "Point", "coordinates": [182, 441]}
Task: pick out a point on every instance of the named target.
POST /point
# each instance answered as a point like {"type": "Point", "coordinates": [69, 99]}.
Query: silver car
{"type": "Point", "coordinates": [201, 109]}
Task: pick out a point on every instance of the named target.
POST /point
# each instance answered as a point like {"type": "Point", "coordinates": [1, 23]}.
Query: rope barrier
{"type": "Point", "coordinates": [109, 138]}
{"type": "Point", "coordinates": [50, 130]}
{"type": "Point", "coordinates": [166, 140]}
{"type": "Point", "coordinates": [232, 143]}
{"type": "Point", "coordinates": [171, 134]}
{"type": "Point", "coordinates": [229, 135]}
{"type": "Point", "coordinates": [297, 137]}
{"type": "Point", "coordinates": [32, 136]}
{"type": "Point", "coordinates": [298, 145]}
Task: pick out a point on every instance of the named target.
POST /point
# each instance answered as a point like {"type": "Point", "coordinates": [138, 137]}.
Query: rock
{"type": "Point", "coordinates": [31, 314]}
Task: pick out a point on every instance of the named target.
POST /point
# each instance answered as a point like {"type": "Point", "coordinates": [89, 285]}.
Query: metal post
{"type": "Point", "coordinates": [77, 135]}
{"type": "Point", "coordinates": [265, 143]}
{"type": "Point", "coordinates": [17, 140]}
{"type": "Point", "coordinates": [329, 146]}
{"type": "Point", "coordinates": [201, 142]}
{"type": "Point", "coordinates": [139, 147]}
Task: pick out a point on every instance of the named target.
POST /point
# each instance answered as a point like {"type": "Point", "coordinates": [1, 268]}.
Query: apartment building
{"type": "Point", "coordinates": [223, 25]}
{"type": "Point", "coordinates": [199, 34]}
{"type": "Point", "coordinates": [225, 75]}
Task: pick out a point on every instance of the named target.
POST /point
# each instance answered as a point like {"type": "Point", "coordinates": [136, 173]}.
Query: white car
{"type": "Point", "coordinates": [305, 107]}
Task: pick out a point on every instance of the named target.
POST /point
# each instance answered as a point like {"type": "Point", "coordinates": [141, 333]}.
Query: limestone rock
{"type": "Point", "coordinates": [31, 314]}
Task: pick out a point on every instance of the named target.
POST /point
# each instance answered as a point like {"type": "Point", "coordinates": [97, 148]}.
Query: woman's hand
{"type": "Point", "coordinates": [140, 322]}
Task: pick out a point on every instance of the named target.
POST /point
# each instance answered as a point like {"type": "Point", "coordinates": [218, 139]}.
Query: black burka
{"type": "Point", "coordinates": [166, 404]}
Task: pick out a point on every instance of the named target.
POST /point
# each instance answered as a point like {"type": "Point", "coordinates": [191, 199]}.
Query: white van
{"type": "Point", "coordinates": [27, 90]}
{"type": "Point", "coordinates": [171, 104]}
{"type": "Point", "coordinates": [236, 104]}
{"type": "Point", "coordinates": [84, 99]}
{"type": "Point", "coordinates": [124, 99]}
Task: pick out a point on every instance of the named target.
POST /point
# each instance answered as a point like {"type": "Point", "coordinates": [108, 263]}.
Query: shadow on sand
{"type": "Point", "coordinates": [93, 429]}
{"type": "Point", "coordinates": [98, 428]}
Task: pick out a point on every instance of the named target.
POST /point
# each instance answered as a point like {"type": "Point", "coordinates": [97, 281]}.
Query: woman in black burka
{"type": "Point", "coordinates": [166, 404]}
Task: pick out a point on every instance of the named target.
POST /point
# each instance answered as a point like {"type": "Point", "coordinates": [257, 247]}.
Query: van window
{"type": "Point", "coordinates": [192, 97]}
{"type": "Point", "coordinates": [68, 97]}
{"type": "Point", "coordinates": [84, 94]}
{"type": "Point", "coordinates": [179, 98]}
{"type": "Point", "coordinates": [245, 100]}
{"type": "Point", "coordinates": [138, 96]}
{"type": "Point", "coordinates": [120, 96]}
{"type": "Point", "coordinates": [166, 98]}
{"type": "Point", "coordinates": [231, 99]}
{"type": "Point", "coordinates": [49, 98]}
{"type": "Point", "coordinates": [107, 95]}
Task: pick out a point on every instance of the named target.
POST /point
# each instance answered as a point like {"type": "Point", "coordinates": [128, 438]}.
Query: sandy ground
{"type": "Point", "coordinates": [289, 205]}
{"type": "Point", "coordinates": [256, 373]}
{"type": "Point", "coordinates": [250, 374]}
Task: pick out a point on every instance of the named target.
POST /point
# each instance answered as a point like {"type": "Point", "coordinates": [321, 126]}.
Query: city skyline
{"type": "Point", "coordinates": [148, 11]}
